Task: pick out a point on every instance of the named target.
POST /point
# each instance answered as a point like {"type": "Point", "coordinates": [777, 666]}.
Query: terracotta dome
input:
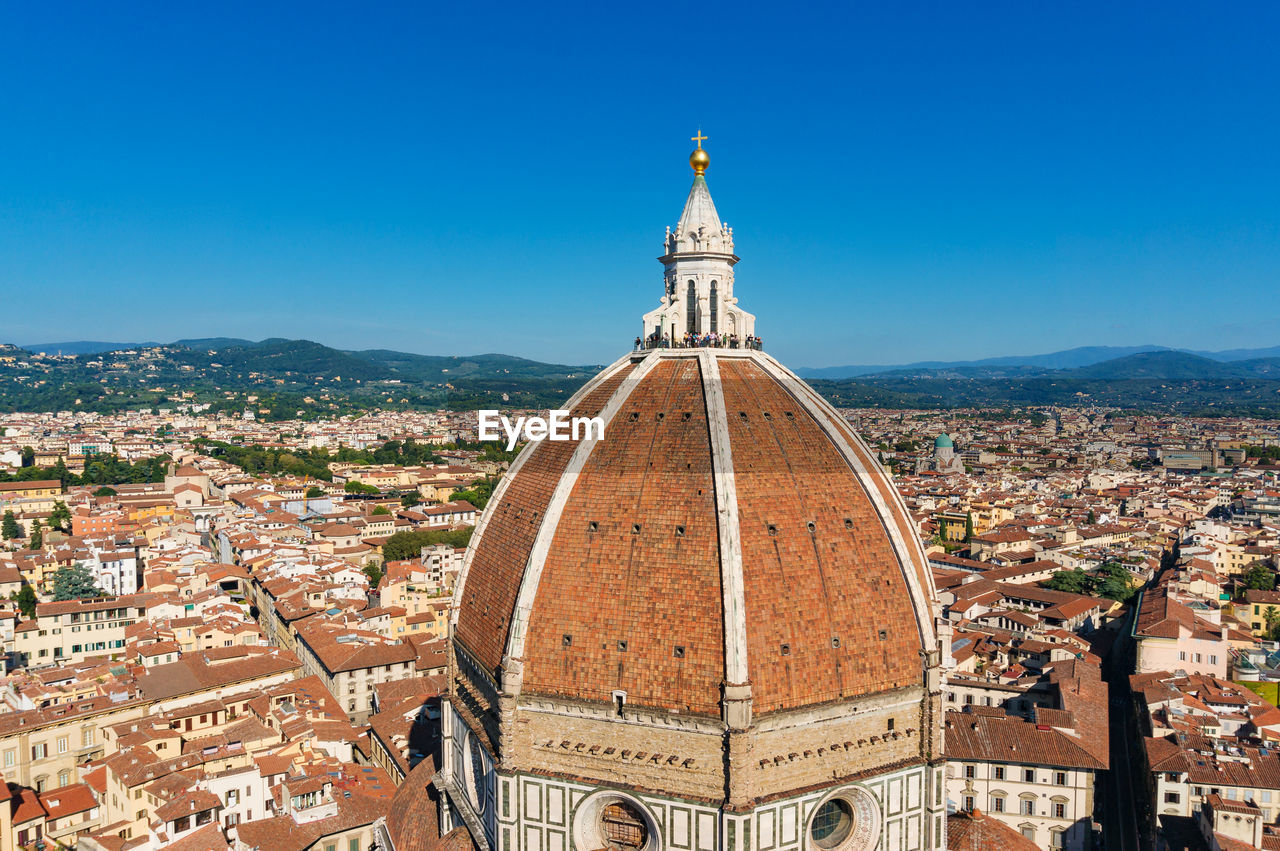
{"type": "Point", "coordinates": [708, 627]}
{"type": "Point", "coordinates": [729, 530]}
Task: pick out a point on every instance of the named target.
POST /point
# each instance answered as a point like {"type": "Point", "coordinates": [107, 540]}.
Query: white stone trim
{"type": "Point", "coordinates": [456, 602]}
{"type": "Point", "coordinates": [818, 408]}
{"type": "Point", "coordinates": [735, 610]}
{"type": "Point", "coordinates": [513, 660]}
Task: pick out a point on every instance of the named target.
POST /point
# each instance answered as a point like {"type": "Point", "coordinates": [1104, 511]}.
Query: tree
{"type": "Point", "coordinates": [380, 510]}
{"type": "Point", "coordinates": [9, 527]}
{"type": "Point", "coordinates": [1092, 518]}
{"type": "Point", "coordinates": [60, 517]}
{"type": "Point", "coordinates": [478, 494]}
{"type": "Point", "coordinates": [1272, 617]}
{"type": "Point", "coordinates": [404, 545]}
{"type": "Point", "coordinates": [1114, 582]}
{"type": "Point", "coordinates": [361, 488]}
{"type": "Point", "coordinates": [74, 582]}
{"type": "Point", "coordinates": [968, 527]}
{"type": "Point", "coordinates": [409, 500]}
{"type": "Point", "coordinates": [1076, 581]}
{"type": "Point", "coordinates": [315, 492]}
{"type": "Point", "coordinates": [1259, 577]}
{"type": "Point", "coordinates": [26, 600]}
{"type": "Point", "coordinates": [374, 572]}
{"type": "Point", "coordinates": [105, 491]}
{"type": "Point", "coordinates": [37, 535]}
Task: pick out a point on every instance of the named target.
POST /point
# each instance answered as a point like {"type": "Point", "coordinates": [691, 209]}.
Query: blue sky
{"type": "Point", "coordinates": [905, 181]}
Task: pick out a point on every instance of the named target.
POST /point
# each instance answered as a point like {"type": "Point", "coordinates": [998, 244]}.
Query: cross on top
{"type": "Point", "coordinates": [699, 138]}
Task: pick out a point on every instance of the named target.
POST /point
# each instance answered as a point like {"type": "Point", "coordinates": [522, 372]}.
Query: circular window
{"type": "Point", "coordinates": [832, 823]}
{"type": "Point", "coordinates": [848, 820]}
{"type": "Point", "coordinates": [614, 821]}
{"type": "Point", "coordinates": [623, 826]}
{"type": "Point", "coordinates": [477, 772]}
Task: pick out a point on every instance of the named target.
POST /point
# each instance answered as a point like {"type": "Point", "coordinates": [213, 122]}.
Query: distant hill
{"type": "Point", "coordinates": [1165, 366]}
{"type": "Point", "coordinates": [278, 378]}
{"type": "Point", "coordinates": [283, 379]}
{"type": "Point", "coordinates": [82, 347]}
{"type": "Point", "coordinates": [998, 366]}
{"type": "Point", "coordinates": [1164, 381]}
{"type": "Point", "coordinates": [280, 358]}
{"type": "Point", "coordinates": [213, 342]}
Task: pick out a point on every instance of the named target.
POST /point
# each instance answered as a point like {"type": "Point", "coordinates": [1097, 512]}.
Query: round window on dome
{"type": "Point", "coordinates": [832, 824]}
{"type": "Point", "coordinates": [623, 826]}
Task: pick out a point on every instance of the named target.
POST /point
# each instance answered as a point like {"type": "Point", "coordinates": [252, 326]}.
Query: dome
{"type": "Point", "coordinates": [730, 529]}
{"type": "Point", "coordinates": [704, 621]}
{"type": "Point", "coordinates": [943, 442]}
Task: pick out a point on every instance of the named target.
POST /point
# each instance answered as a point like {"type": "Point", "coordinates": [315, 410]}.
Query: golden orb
{"type": "Point", "coordinates": [699, 160]}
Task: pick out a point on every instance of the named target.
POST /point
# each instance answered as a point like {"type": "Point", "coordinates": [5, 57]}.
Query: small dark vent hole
{"type": "Point", "coordinates": [786, 649]}
{"type": "Point", "coordinates": [635, 415]}
{"type": "Point", "coordinates": [811, 526]}
{"type": "Point", "coordinates": [768, 416]}
{"type": "Point", "coordinates": [661, 416]}
{"type": "Point", "coordinates": [742, 415]}
{"type": "Point", "coordinates": [686, 416]}
{"type": "Point", "coordinates": [773, 530]}
{"type": "Point", "coordinates": [567, 641]}
{"type": "Point", "coordinates": [679, 653]}
{"type": "Point", "coordinates": [635, 528]}
{"type": "Point", "coordinates": [593, 526]}
{"type": "Point", "coordinates": [835, 641]}
{"type": "Point", "coordinates": [789, 415]}
{"type": "Point", "coordinates": [848, 523]}
{"type": "Point", "coordinates": [884, 634]}
{"type": "Point", "coordinates": [679, 531]}
{"type": "Point", "coordinates": [622, 646]}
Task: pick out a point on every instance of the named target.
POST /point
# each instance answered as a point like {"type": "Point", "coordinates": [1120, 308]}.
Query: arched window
{"type": "Point", "coordinates": [692, 309]}
{"type": "Point", "coordinates": [715, 311]}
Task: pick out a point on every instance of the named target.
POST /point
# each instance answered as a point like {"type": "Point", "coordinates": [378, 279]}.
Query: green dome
{"type": "Point", "coordinates": [943, 442]}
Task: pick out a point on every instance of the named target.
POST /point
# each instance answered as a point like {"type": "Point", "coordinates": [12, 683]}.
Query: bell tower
{"type": "Point", "coordinates": [698, 263]}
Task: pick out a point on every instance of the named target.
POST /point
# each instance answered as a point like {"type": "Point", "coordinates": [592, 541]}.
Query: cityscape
{"type": "Point", "coordinates": [328, 593]}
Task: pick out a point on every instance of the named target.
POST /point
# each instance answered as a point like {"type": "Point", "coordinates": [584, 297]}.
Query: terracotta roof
{"type": "Point", "coordinates": [412, 821]}
{"type": "Point", "coordinates": [207, 838]}
{"type": "Point", "coordinates": [974, 736]}
{"type": "Point", "coordinates": [977, 831]}
{"type": "Point", "coordinates": [630, 594]}
{"type": "Point", "coordinates": [284, 834]}
{"type": "Point", "coordinates": [27, 807]}
{"type": "Point", "coordinates": [68, 800]}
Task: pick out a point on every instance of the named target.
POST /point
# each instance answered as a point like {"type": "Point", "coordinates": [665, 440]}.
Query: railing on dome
{"type": "Point", "coordinates": [700, 341]}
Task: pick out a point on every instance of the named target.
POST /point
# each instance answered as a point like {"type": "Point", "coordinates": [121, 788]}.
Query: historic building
{"type": "Point", "coordinates": [709, 629]}
{"type": "Point", "coordinates": [944, 459]}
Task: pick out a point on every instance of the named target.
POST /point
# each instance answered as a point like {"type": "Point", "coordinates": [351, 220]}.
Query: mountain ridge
{"type": "Point", "coordinates": [1081, 356]}
{"type": "Point", "coordinates": [295, 377]}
